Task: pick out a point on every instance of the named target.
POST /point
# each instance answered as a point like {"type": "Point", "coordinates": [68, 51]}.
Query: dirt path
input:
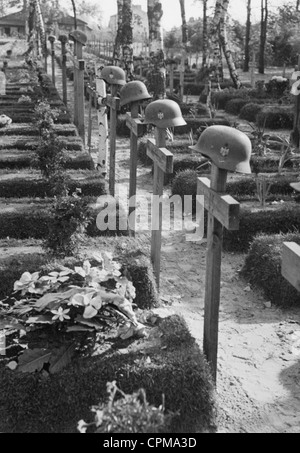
{"type": "Point", "coordinates": [259, 346]}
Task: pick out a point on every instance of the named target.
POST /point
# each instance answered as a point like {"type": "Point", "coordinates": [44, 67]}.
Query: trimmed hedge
{"type": "Point", "coordinates": [276, 118]}
{"type": "Point", "coordinates": [179, 372]}
{"type": "Point", "coordinates": [263, 269]}
{"type": "Point", "coordinates": [284, 219]}
{"type": "Point", "coordinates": [196, 124]}
{"type": "Point", "coordinates": [234, 106]}
{"type": "Point", "coordinates": [36, 187]}
{"type": "Point", "coordinates": [250, 111]}
{"type": "Point", "coordinates": [185, 183]}
{"type": "Point", "coordinates": [131, 253]}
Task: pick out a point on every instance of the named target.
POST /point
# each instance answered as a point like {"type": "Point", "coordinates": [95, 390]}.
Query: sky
{"type": "Point", "coordinates": [172, 17]}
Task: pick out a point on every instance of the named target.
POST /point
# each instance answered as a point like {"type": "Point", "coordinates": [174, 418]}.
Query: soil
{"type": "Point", "coordinates": [258, 384]}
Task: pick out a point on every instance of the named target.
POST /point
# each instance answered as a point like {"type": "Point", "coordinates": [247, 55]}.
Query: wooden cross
{"type": "Point", "coordinates": [291, 264]}
{"type": "Point", "coordinates": [223, 211]}
{"type": "Point", "coordinates": [92, 95]}
{"type": "Point", "coordinates": [136, 128]}
{"type": "Point", "coordinates": [64, 39]}
{"type": "Point", "coordinates": [52, 40]}
{"type": "Point", "coordinates": [102, 122]}
{"type": "Point", "coordinates": [113, 102]}
{"type": "Point", "coordinates": [163, 164]}
{"type": "Point", "coordinates": [79, 67]}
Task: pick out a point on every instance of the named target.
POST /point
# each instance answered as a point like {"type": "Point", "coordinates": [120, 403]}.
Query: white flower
{"type": "Point", "coordinates": [26, 283]}
{"type": "Point", "coordinates": [60, 314]}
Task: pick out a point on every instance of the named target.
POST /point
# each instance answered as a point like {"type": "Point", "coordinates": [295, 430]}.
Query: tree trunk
{"type": "Point", "coordinates": [127, 39]}
{"type": "Point", "coordinates": [205, 35]}
{"type": "Point", "coordinates": [118, 40]}
{"type": "Point", "coordinates": [41, 26]}
{"type": "Point", "coordinates": [157, 73]}
{"type": "Point", "coordinates": [75, 14]}
{"type": "Point", "coordinates": [247, 39]}
{"type": "Point", "coordinates": [263, 35]}
{"type": "Point", "coordinates": [184, 46]}
{"type": "Point", "coordinates": [215, 39]}
{"type": "Point", "coordinates": [31, 20]}
{"type": "Point", "coordinates": [297, 5]}
{"type": "Point", "coordinates": [225, 46]}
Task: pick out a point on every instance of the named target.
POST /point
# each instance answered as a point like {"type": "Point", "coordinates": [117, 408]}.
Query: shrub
{"type": "Point", "coordinates": [234, 106]}
{"type": "Point", "coordinates": [181, 373]}
{"type": "Point", "coordinates": [263, 269]}
{"type": "Point", "coordinates": [69, 219]}
{"type": "Point", "coordinates": [33, 186]}
{"type": "Point", "coordinates": [277, 87]}
{"type": "Point", "coordinates": [276, 118]}
{"type": "Point", "coordinates": [196, 125]}
{"type": "Point", "coordinates": [284, 220]}
{"type": "Point", "coordinates": [250, 111]}
{"type": "Point", "coordinates": [185, 183]}
{"type": "Point", "coordinates": [127, 414]}
{"type": "Point", "coordinates": [142, 152]}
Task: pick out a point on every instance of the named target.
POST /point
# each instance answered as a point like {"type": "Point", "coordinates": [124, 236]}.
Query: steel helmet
{"type": "Point", "coordinates": [79, 36]}
{"type": "Point", "coordinates": [296, 186]}
{"type": "Point", "coordinates": [163, 114]}
{"type": "Point", "coordinates": [63, 39]}
{"type": "Point", "coordinates": [134, 91]}
{"type": "Point", "coordinates": [228, 148]}
{"type": "Point", "coordinates": [51, 38]}
{"type": "Point", "coordinates": [113, 75]}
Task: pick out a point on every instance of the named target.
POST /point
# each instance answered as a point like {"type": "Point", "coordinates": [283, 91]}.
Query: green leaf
{"type": "Point", "coordinates": [89, 323]}
{"type": "Point", "coordinates": [33, 360]}
{"type": "Point", "coordinates": [39, 320]}
{"type": "Point", "coordinates": [61, 358]}
{"type": "Point", "coordinates": [78, 329]}
{"type": "Point", "coordinates": [46, 300]}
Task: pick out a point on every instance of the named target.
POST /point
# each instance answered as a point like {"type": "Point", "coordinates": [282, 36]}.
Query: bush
{"type": "Point", "coordinates": [69, 219]}
{"type": "Point", "coordinates": [277, 87]}
{"type": "Point", "coordinates": [263, 269]}
{"type": "Point", "coordinates": [196, 125]}
{"type": "Point", "coordinates": [276, 118]}
{"type": "Point", "coordinates": [234, 106]}
{"type": "Point", "coordinates": [250, 111]}
{"type": "Point", "coordinates": [31, 185]}
{"type": "Point", "coordinates": [284, 220]}
{"type": "Point", "coordinates": [185, 183]}
{"type": "Point", "coordinates": [179, 372]}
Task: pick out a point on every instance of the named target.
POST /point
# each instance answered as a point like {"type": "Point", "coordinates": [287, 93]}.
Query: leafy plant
{"type": "Point", "coordinates": [70, 217]}
{"type": "Point", "coordinates": [259, 139]}
{"type": "Point", "coordinates": [128, 414]}
{"type": "Point", "coordinates": [263, 186]}
{"type": "Point", "coordinates": [86, 299]}
{"type": "Point", "coordinates": [45, 118]}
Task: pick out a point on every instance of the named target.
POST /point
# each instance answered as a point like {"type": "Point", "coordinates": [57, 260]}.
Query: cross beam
{"type": "Point", "coordinates": [223, 210]}
{"type": "Point", "coordinates": [291, 264]}
{"type": "Point", "coordinates": [163, 163]}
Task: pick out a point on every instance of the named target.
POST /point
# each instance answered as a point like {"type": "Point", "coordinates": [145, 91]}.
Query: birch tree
{"type": "Point", "coordinates": [205, 35]}
{"type": "Point", "coordinates": [184, 41]}
{"type": "Point", "coordinates": [247, 38]}
{"type": "Point", "coordinates": [263, 35]}
{"type": "Point", "coordinates": [225, 45]}
{"type": "Point", "coordinates": [157, 73]}
{"type": "Point", "coordinates": [127, 39]}
{"type": "Point", "coordinates": [118, 40]}
{"type": "Point", "coordinates": [215, 32]}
